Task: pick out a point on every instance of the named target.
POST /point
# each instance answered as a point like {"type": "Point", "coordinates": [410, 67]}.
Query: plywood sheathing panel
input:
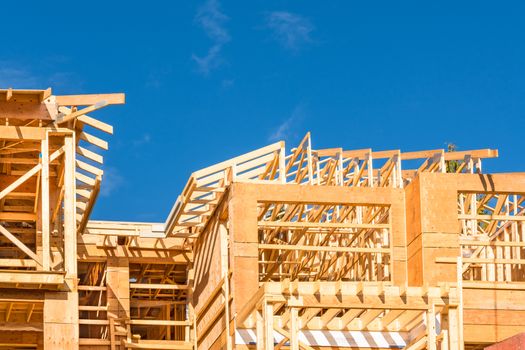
{"type": "Point", "coordinates": [242, 211]}
{"type": "Point", "coordinates": [492, 315]}
{"type": "Point", "coordinates": [117, 282]}
{"type": "Point", "coordinates": [61, 320]}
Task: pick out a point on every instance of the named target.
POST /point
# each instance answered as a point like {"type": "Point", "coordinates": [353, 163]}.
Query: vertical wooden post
{"type": "Point", "coordinates": [453, 329]}
{"type": "Point", "coordinates": [112, 333]}
{"type": "Point", "coordinates": [224, 239]}
{"type": "Point", "coordinates": [294, 328]}
{"type": "Point", "coordinates": [444, 340]}
{"type": "Point", "coordinates": [460, 297]}
{"type": "Point", "coordinates": [191, 307]}
{"type": "Point", "coordinates": [167, 310]}
{"type": "Point", "coordinates": [442, 163]}
{"type": "Point", "coordinates": [61, 330]}
{"type": "Point", "coordinates": [268, 325]}
{"type": "Point", "coordinates": [70, 217]}
{"type": "Point", "coordinates": [370, 168]}
{"type": "Point", "coordinates": [282, 164]}
{"type": "Point", "coordinates": [340, 178]}
{"type": "Point", "coordinates": [260, 330]}
{"type": "Point", "coordinates": [44, 207]}
{"type": "Point", "coordinates": [478, 165]}
{"type": "Point", "coordinates": [309, 162]}
{"type": "Point", "coordinates": [399, 171]}
{"type": "Point", "coordinates": [431, 328]}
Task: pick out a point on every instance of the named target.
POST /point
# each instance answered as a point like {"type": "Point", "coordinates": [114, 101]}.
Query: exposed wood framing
{"type": "Point", "coordinates": [275, 249]}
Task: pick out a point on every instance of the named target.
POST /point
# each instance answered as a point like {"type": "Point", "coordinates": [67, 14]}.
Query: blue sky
{"type": "Point", "coordinates": [209, 80]}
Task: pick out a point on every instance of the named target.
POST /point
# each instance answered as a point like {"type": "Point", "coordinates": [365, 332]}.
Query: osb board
{"type": "Point", "coordinates": [492, 315]}
{"type": "Point", "coordinates": [117, 283]}
{"type": "Point", "coordinates": [242, 213]}
{"type": "Point", "coordinates": [24, 110]}
{"type": "Point", "coordinates": [489, 333]}
{"type": "Point", "coordinates": [214, 333]}
{"type": "Point", "coordinates": [493, 299]}
{"type": "Point", "coordinates": [319, 194]}
{"type": "Point", "coordinates": [505, 183]}
{"type": "Point", "coordinates": [59, 307]}
{"type": "Point", "coordinates": [208, 271]}
{"type": "Point", "coordinates": [415, 263]}
{"type": "Point", "coordinates": [208, 275]}
{"type": "Point", "coordinates": [499, 317]}
{"type": "Point", "coordinates": [434, 273]}
{"type": "Point", "coordinates": [60, 336]}
{"type": "Point", "coordinates": [14, 337]}
{"type": "Point", "coordinates": [439, 208]}
{"type": "Point", "coordinates": [413, 211]}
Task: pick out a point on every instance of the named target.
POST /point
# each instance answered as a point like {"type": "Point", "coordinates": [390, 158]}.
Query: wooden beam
{"type": "Point", "coordinates": [158, 286]}
{"type": "Point", "coordinates": [90, 99]}
{"type": "Point", "coordinates": [29, 174]}
{"type": "Point", "coordinates": [294, 328]}
{"type": "Point", "coordinates": [26, 133]}
{"type": "Point", "coordinates": [97, 124]}
{"type": "Point", "coordinates": [70, 232]}
{"type": "Point", "coordinates": [83, 111]}
{"type": "Point", "coordinates": [17, 263]}
{"type": "Point", "coordinates": [20, 245]}
{"type": "Point", "coordinates": [324, 248]}
{"type": "Point", "coordinates": [28, 279]}
{"type": "Point", "coordinates": [94, 140]}
{"type": "Point", "coordinates": [90, 155]}
{"type": "Point", "coordinates": [44, 207]}
{"type": "Point", "coordinates": [159, 323]}
{"type": "Point", "coordinates": [17, 216]}
{"type": "Point", "coordinates": [20, 327]}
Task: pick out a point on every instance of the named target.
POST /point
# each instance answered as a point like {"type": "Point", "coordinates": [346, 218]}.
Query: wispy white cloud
{"type": "Point", "coordinates": [289, 29]}
{"type": "Point", "coordinates": [157, 76]}
{"type": "Point", "coordinates": [288, 127]}
{"type": "Point", "coordinates": [111, 181]}
{"type": "Point", "coordinates": [212, 20]}
{"type": "Point", "coordinates": [144, 139]}
{"type": "Point", "coordinates": [227, 83]}
{"type": "Point", "coordinates": [16, 77]}
{"type": "Point", "coordinates": [19, 76]}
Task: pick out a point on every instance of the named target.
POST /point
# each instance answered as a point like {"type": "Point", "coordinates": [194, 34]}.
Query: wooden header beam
{"type": "Point", "coordinates": [91, 99]}
{"type": "Point", "coordinates": [36, 96]}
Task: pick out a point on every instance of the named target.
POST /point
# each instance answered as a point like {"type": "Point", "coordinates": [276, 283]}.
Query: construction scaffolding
{"type": "Point", "coordinates": [275, 249]}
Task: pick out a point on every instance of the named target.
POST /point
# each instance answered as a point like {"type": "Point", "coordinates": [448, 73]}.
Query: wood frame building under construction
{"type": "Point", "coordinates": [300, 249]}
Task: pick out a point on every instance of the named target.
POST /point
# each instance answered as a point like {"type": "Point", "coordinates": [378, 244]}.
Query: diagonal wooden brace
{"type": "Point", "coordinates": [19, 244]}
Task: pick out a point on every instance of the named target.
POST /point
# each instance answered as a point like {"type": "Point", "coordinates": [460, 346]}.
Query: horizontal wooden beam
{"type": "Point", "coordinates": [16, 216]}
{"type": "Point", "coordinates": [324, 248]}
{"type": "Point", "coordinates": [158, 286]}
{"type": "Point", "coordinates": [17, 263]}
{"type": "Point", "coordinates": [93, 322]}
{"type": "Point", "coordinates": [92, 288]}
{"type": "Point", "coordinates": [318, 225]}
{"type": "Point", "coordinates": [21, 133]}
{"type": "Point", "coordinates": [158, 345]}
{"type": "Point", "coordinates": [90, 99]}
{"type": "Point", "coordinates": [23, 277]}
{"type": "Point", "coordinates": [21, 327]}
{"type": "Point", "coordinates": [159, 323]}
